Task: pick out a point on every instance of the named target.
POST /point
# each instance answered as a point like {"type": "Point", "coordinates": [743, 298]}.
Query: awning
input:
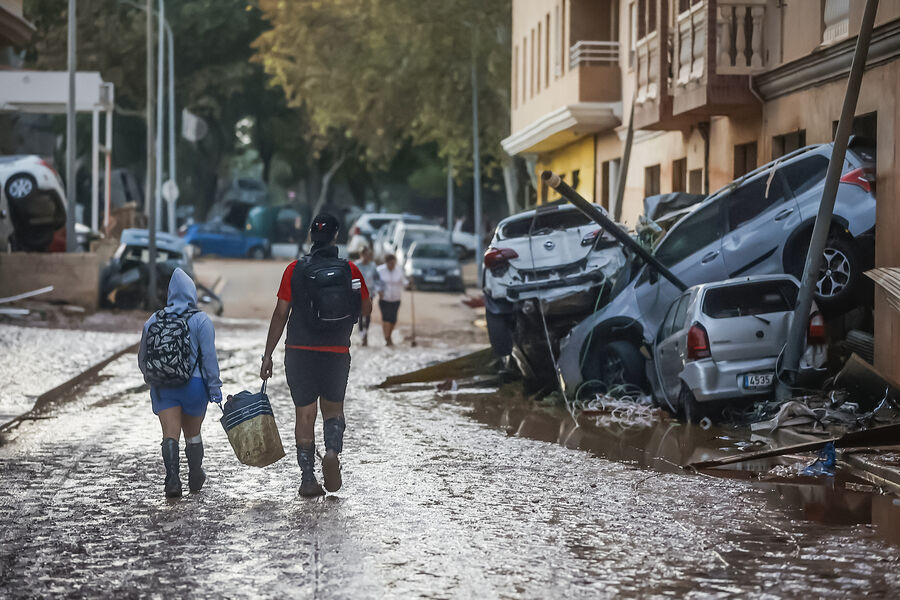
{"type": "Point", "coordinates": [15, 30]}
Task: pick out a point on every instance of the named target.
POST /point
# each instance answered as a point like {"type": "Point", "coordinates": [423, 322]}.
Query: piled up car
{"type": "Point", "coordinates": [760, 224]}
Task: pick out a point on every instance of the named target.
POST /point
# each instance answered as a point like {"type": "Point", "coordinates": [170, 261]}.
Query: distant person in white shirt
{"type": "Point", "coordinates": [391, 283]}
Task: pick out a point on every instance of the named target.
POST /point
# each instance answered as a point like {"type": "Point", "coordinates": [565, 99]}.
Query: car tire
{"type": "Point", "coordinates": [257, 253]}
{"type": "Point", "coordinates": [620, 362]}
{"type": "Point", "coordinates": [838, 284]}
{"type": "Point", "coordinates": [20, 187]}
{"type": "Point", "coordinates": [690, 408]}
{"type": "Point", "coordinates": [500, 332]}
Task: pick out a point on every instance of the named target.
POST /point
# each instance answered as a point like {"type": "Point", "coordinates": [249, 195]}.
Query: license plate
{"type": "Point", "coordinates": [434, 278]}
{"type": "Point", "coordinates": [756, 381]}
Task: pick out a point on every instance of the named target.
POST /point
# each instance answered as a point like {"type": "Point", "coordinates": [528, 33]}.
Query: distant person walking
{"type": "Point", "coordinates": [320, 300]}
{"type": "Point", "coordinates": [391, 282]}
{"type": "Point", "coordinates": [178, 359]}
{"type": "Point", "coordinates": [369, 271]}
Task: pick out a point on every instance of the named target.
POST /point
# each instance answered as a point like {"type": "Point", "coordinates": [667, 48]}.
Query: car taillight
{"type": "Point", "coordinates": [862, 177]}
{"type": "Point", "coordinates": [815, 334]}
{"type": "Point", "coordinates": [495, 257]}
{"type": "Point", "coordinates": [697, 342]}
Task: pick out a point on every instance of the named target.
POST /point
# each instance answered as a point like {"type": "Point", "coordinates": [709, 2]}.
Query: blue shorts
{"type": "Point", "coordinates": [192, 398]}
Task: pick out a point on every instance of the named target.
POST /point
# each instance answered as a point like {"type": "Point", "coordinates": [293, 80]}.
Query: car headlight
{"type": "Point", "coordinates": [454, 272]}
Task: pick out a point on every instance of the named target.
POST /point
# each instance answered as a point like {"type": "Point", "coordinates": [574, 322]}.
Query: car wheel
{"type": "Point", "coordinates": [257, 253]}
{"type": "Point", "coordinates": [838, 281]}
{"type": "Point", "coordinates": [500, 332]}
{"type": "Point", "coordinates": [20, 186]}
{"type": "Point", "coordinates": [689, 406]}
{"type": "Point", "coordinates": [621, 363]}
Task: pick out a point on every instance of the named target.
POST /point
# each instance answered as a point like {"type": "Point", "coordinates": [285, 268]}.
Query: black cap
{"type": "Point", "coordinates": [324, 228]}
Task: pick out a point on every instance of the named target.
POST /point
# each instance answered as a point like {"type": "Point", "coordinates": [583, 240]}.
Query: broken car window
{"type": "Point", "coordinates": [754, 298]}
{"type": "Point", "coordinates": [750, 200]}
{"type": "Point", "coordinates": [545, 223]}
{"type": "Point", "coordinates": [695, 232]}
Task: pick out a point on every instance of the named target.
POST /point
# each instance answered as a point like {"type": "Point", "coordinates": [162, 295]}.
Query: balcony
{"type": "Point", "coordinates": [584, 100]}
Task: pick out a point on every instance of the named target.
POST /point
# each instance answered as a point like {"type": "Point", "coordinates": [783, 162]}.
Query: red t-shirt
{"type": "Point", "coordinates": [284, 293]}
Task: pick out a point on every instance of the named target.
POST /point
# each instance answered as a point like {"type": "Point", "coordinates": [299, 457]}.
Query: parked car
{"type": "Point", "coordinates": [760, 224]}
{"type": "Point", "coordinates": [33, 207]}
{"type": "Point", "coordinates": [407, 233]}
{"type": "Point", "coordinates": [224, 240]}
{"type": "Point", "coordinates": [555, 255]}
{"type": "Point", "coordinates": [124, 280]}
{"type": "Point", "coordinates": [722, 341]}
{"type": "Point", "coordinates": [434, 264]}
{"type": "Point", "coordinates": [369, 223]}
{"type": "Point", "coordinates": [384, 235]}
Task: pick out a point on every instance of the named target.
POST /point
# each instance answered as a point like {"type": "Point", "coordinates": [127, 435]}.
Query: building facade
{"type": "Point", "coordinates": [718, 87]}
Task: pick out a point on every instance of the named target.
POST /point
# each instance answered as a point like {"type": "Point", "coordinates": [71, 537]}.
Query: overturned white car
{"type": "Point", "coordinates": [553, 255]}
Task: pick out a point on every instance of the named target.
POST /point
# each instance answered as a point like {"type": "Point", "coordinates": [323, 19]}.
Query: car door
{"type": "Point", "coordinates": [692, 251]}
{"type": "Point", "coordinates": [231, 242]}
{"type": "Point", "coordinates": [759, 217]}
{"type": "Point", "coordinates": [671, 348]}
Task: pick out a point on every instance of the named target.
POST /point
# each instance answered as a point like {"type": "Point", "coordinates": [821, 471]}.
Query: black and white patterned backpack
{"type": "Point", "coordinates": [168, 358]}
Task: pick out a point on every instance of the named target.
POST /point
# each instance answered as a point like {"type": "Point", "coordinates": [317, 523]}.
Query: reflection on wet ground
{"type": "Point", "coordinates": [664, 444]}
{"type": "Point", "coordinates": [438, 502]}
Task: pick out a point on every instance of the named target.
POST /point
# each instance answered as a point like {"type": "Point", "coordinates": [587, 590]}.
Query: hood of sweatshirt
{"type": "Point", "coordinates": [182, 292]}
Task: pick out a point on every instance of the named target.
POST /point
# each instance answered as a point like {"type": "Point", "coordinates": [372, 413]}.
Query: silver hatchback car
{"type": "Point", "coordinates": [722, 341]}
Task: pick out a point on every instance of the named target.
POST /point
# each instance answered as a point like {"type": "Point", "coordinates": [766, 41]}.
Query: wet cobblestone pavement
{"type": "Point", "coordinates": [436, 505]}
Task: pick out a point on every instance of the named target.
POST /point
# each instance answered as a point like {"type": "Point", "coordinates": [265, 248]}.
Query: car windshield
{"type": "Point", "coordinates": [545, 223]}
{"type": "Point", "coordinates": [434, 251]}
{"type": "Point", "coordinates": [752, 298]}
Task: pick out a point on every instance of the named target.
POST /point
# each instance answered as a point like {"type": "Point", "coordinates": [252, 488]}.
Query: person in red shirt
{"type": "Point", "coordinates": [319, 306]}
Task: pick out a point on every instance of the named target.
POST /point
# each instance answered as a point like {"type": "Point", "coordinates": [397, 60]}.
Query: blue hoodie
{"type": "Point", "coordinates": [183, 295]}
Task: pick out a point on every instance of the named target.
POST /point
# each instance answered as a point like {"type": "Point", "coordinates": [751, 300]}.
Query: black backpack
{"type": "Point", "coordinates": [168, 360]}
{"type": "Point", "coordinates": [330, 301]}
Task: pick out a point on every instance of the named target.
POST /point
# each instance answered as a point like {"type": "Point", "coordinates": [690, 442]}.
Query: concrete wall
{"type": "Point", "coordinates": [74, 277]}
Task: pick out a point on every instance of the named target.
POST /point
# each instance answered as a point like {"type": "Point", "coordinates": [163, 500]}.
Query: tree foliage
{"type": "Point", "coordinates": [390, 72]}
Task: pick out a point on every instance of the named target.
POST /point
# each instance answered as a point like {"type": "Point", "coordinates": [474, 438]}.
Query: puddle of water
{"type": "Point", "coordinates": [663, 444]}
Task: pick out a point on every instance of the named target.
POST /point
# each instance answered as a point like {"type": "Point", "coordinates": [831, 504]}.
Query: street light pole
{"type": "Point", "coordinates": [160, 102]}
{"type": "Point", "coordinates": [450, 198]}
{"type": "Point", "coordinates": [476, 157]}
{"type": "Point", "coordinates": [797, 336]}
{"type": "Point", "coordinates": [150, 197]}
{"type": "Point", "coordinates": [171, 49]}
{"type": "Point", "coordinates": [71, 186]}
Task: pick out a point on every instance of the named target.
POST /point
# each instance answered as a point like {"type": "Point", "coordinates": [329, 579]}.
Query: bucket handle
{"type": "Point", "coordinates": [262, 390]}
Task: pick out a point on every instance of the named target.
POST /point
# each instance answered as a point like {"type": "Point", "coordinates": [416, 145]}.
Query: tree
{"type": "Point", "coordinates": [388, 72]}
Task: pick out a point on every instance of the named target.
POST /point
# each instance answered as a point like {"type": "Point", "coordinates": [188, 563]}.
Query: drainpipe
{"type": "Point", "coordinates": [797, 337]}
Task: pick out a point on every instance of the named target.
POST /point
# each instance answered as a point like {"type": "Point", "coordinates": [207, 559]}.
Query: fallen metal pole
{"type": "Point", "coordinates": [566, 191]}
{"type": "Point", "coordinates": [797, 337]}
{"type": "Point", "coordinates": [623, 167]}
{"type": "Point", "coordinates": [888, 435]}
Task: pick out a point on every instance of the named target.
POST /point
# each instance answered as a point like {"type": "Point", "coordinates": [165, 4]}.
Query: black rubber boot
{"type": "Point", "coordinates": [306, 458]}
{"type": "Point", "coordinates": [170, 460]}
{"type": "Point", "coordinates": [196, 474]}
{"type": "Point", "coordinates": [334, 443]}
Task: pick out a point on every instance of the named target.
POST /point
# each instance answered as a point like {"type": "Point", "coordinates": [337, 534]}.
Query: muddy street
{"type": "Point", "coordinates": [439, 501]}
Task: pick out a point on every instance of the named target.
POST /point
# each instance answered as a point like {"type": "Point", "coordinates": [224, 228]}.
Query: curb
{"type": "Point", "coordinates": [55, 393]}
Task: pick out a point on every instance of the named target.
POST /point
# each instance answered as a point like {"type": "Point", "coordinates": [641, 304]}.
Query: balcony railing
{"type": "Point", "coordinates": [586, 52]}
{"type": "Point", "coordinates": [690, 45]}
{"type": "Point", "coordinates": [647, 50]}
{"type": "Point", "coordinates": [739, 39]}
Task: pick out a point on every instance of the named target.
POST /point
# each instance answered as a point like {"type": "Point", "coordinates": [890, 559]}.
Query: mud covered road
{"type": "Point", "coordinates": [439, 502]}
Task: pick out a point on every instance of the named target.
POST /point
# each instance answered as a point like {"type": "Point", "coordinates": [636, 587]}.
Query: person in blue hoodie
{"type": "Point", "coordinates": [183, 408]}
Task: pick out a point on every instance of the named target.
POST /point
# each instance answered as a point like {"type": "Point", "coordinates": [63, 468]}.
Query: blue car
{"type": "Point", "coordinates": [224, 240]}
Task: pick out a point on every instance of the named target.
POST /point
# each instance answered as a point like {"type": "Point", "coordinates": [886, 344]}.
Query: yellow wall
{"type": "Point", "coordinates": [576, 156]}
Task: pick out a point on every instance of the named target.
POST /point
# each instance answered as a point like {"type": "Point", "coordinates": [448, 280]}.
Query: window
{"type": "Point", "coordinates": [757, 298]}
{"type": "Point", "coordinates": [515, 77]}
{"type": "Point", "coordinates": [835, 20]}
{"type": "Point", "coordinates": [531, 67]}
{"type": "Point", "coordinates": [562, 38]}
{"type": "Point", "coordinates": [665, 329]}
{"type": "Point", "coordinates": [547, 52]}
{"type": "Point", "coordinates": [752, 199]}
{"type": "Point", "coordinates": [651, 180]}
{"type": "Point", "coordinates": [681, 312]}
{"type": "Point", "coordinates": [651, 16]}
{"type": "Point", "coordinates": [632, 33]}
{"type": "Point", "coordinates": [787, 143]}
{"type": "Point", "coordinates": [524, 69]}
{"type": "Point", "coordinates": [695, 181]}
{"type": "Point", "coordinates": [538, 65]}
{"type": "Point", "coordinates": [804, 175]}
{"type": "Point", "coordinates": [679, 175]}
{"type": "Point", "coordinates": [557, 47]}
{"type": "Point", "coordinates": [544, 223]}
{"type": "Point", "coordinates": [744, 159]}
{"type": "Point", "coordinates": [693, 233]}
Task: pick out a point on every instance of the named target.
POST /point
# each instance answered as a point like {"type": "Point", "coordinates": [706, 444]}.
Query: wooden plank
{"type": "Point", "coordinates": [469, 365]}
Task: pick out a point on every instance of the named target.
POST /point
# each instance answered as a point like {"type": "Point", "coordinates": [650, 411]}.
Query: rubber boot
{"type": "Point", "coordinates": [334, 443]}
{"type": "Point", "coordinates": [306, 458]}
{"type": "Point", "coordinates": [170, 460]}
{"type": "Point", "coordinates": [196, 474]}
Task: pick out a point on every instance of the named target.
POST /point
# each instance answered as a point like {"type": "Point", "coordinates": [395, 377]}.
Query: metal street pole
{"type": "Point", "coordinates": [160, 103]}
{"type": "Point", "coordinates": [450, 199]}
{"type": "Point", "coordinates": [71, 186]}
{"type": "Point", "coordinates": [171, 49]}
{"type": "Point", "coordinates": [623, 168]}
{"type": "Point", "coordinates": [150, 198]}
{"type": "Point", "coordinates": [476, 175]}
{"type": "Point", "coordinates": [797, 336]}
